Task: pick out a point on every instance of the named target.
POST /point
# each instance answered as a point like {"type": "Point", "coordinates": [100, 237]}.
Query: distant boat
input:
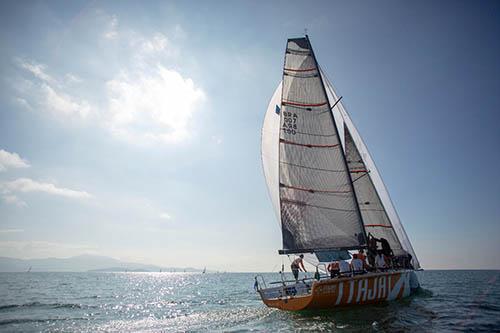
{"type": "Point", "coordinates": [204, 270]}
{"type": "Point", "coordinates": [29, 269]}
{"type": "Point", "coordinates": [327, 193]}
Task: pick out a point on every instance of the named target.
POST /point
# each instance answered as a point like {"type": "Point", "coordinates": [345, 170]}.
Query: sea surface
{"type": "Point", "coordinates": [191, 302]}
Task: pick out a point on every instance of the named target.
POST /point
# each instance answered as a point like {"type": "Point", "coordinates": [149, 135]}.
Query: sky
{"type": "Point", "coordinates": [132, 129]}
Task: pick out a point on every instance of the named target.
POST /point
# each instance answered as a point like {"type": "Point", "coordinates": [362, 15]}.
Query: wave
{"type": "Point", "coordinates": [45, 305]}
{"type": "Point", "coordinates": [28, 320]}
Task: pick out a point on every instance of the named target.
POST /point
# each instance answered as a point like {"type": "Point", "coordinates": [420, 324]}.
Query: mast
{"type": "Point", "coordinates": [337, 132]}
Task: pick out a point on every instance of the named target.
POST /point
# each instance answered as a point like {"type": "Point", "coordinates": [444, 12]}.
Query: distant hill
{"type": "Point", "coordinates": [82, 263]}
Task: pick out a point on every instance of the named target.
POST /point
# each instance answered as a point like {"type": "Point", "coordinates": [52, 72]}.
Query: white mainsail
{"type": "Point", "coordinates": [318, 204]}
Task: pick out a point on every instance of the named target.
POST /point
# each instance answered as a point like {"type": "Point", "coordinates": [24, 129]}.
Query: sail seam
{"type": "Point", "coordinates": [302, 104]}
{"type": "Point", "coordinates": [302, 203]}
{"type": "Point", "coordinates": [308, 145]}
{"type": "Point", "coordinates": [312, 190]}
{"type": "Point", "coordinates": [306, 167]}
{"type": "Point", "coordinates": [314, 134]}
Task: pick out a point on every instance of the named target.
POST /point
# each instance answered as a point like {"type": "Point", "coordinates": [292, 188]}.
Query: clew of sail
{"type": "Point", "coordinates": [379, 215]}
{"type": "Point", "coordinates": [318, 207]}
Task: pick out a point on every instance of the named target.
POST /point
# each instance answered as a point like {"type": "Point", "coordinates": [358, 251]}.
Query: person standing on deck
{"type": "Point", "coordinates": [380, 261]}
{"type": "Point", "coordinates": [296, 266]}
{"type": "Point", "coordinates": [372, 250]}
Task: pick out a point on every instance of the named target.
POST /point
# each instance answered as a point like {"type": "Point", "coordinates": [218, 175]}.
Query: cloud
{"type": "Point", "coordinates": [72, 78]}
{"type": "Point", "coordinates": [48, 92]}
{"type": "Point", "coordinates": [11, 160]}
{"type": "Point", "coordinates": [217, 139]}
{"type": "Point", "coordinates": [9, 231]}
{"type": "Point", "coordinates": [64, 104]}
{"type": "Point", "coordinates": [26, 185]}
{"type": "Point", "coordinates": [152, 107]}
{"type": "Point", "coordinates": [13, 200]}
{"type": "Point", "coordinates": [43, 249]}
{"type": "Point", "coordinates": [38, 70]}
{"type": "Point", "coordinates": [157, 43]}
{"type": "Point", "coordinates": [111, 31]}
{"type": "Point", "coordinates": [143, 100]}
{"type": "Point", "coordinates": [165, 216]}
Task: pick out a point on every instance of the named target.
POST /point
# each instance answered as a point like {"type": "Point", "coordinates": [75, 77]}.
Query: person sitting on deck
{"type": "Point", "coordinates": [344, 268]}
{"type": "Point", "coordinates": [357, 265]}
{"type": "Point", "coordinates": [380, 261]}
{"type": "Point", "coordinates": [362, 256]}
{"type": "Point", "coordinates": [296, 266]}
{"type": "Point", "coordinates": [333, 268]}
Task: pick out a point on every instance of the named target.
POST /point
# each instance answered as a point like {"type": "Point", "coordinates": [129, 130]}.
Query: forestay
{"type": "Point", "coordinates": [318, 208]}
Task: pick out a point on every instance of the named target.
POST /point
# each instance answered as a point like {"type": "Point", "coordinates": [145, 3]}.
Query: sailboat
{"type": "Point", "coordinates": [328, 195]}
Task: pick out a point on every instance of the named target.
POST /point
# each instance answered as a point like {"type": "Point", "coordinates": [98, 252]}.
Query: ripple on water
{"type": "Point", "coordinates": [152, 302]}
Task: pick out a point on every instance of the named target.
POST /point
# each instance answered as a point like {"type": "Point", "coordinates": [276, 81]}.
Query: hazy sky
{"type": "Point", "coordinates": [132, 129]}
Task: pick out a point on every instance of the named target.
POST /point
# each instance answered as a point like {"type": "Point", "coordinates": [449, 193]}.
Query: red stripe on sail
{"type": "Point", "coordinates": [378, 225]}
{"type": "Point", "coordinates": [357, 171]}
{"type": "Point", "coordinates": [300, 70]}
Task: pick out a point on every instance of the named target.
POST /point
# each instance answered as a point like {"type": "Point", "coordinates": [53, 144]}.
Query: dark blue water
{"type": "Point", "coordinates": [154, 302]}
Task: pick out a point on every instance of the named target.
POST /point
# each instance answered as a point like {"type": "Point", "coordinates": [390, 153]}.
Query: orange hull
{"type": "Point", "coordinates": [357, 290]}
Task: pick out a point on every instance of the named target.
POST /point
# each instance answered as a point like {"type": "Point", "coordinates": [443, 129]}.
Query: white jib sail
{"type": "Point", "coordinates": [270, 149]}
{"type": "Point", "coordinates": [342, 117]}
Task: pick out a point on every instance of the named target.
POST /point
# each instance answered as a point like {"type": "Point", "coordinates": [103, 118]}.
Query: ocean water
{"type": "Point", "coordinates": [164, 302]}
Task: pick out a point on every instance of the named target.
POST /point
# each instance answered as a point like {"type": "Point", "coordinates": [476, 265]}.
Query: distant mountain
{"type": "Point", "coordinates": [81, 263]}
